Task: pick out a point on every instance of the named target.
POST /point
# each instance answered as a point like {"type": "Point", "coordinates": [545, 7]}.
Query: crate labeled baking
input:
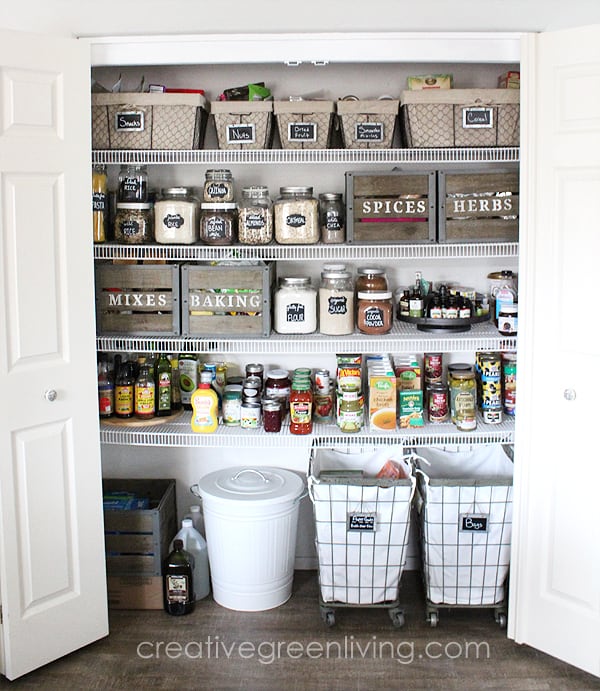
{"type": "Point", "coordinates": [137, 299]}
{"type": "Point", "coordinates": [148, 121]}
{"type": "Point", "coordinates": [368, 124]}
{"type": "Point", "coordinates": [391, 207]}
{"type": "Point", "coordinates": [460, 117]}
{"type": "Point", "coordinates": [243, 124]}
{"type": "Point", "coordinates": [140, 520]}
{"type": "Point", "coordinates": [227, 298]}
{"type": "Point", "coordinates": [478, 206]}
{"type": "Point", "coordinates": [305, 124]}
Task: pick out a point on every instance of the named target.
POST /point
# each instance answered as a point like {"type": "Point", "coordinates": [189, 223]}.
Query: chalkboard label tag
{"type": "Point", "coordinates": [129, 121]}
{"type": "Point", "coordinates": [302, 132]}
{"type": "Point", "coordinates": [474, 118]}
{"type": "Point", "coordinates": [241, 134]}
{"type": "Point", "coordinates": [473, 523]}
{"type": "Point", "coordinates": [369, 131]}
{"type": "Point", "coordinates": [361, 522]}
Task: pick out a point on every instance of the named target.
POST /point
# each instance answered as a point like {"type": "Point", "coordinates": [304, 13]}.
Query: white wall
{"type": "Point", "coordinates": [115, 17]}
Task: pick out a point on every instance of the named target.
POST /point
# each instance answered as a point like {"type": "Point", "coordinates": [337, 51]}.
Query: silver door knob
{"type": "Point", "coordinates": [50, 395]}
{"type": "Point", "coordinates": [570, 394]}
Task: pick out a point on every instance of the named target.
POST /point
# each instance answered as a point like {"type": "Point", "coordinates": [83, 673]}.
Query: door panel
{"type": "Point", "coordinates": [555, 582]}
{"type": "Point", "coordinates": [52, 573]}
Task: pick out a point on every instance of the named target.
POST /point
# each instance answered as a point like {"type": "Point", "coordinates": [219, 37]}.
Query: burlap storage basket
{"type": "Point", "coordinates": [358, 117]}
{"type": "Point", "coordinates": [305, 124]}
{"type": "Point", "coordinates": [437, 118]}
{"type": "Point", "coordinates": [169, 121]}
{"type": "Point", "coordinates": [243, 124]}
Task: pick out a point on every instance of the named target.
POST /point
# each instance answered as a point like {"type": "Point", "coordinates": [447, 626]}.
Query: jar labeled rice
{"type": "Point", "coordinates": [176, 216]}
{"type": "Point", "coordinates": [296, 215]}
{"type": "Point", "coordinates": [255, 216]}
{"type": "Point", "coordinates": [133, 223]}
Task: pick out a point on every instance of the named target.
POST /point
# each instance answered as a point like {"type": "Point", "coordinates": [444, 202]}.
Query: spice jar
{"type": "Point", "coordinates": [277, 387]}
{"type": "Point", "coordinates": [296, 216]}
{"type": "Point", "coordinates": [374, 314]}
{"type": "Point", "coordinates": [218, 223]}
{"type": "Point", "coordinates": [295, 310]}
{"type": "Point", "coordinates": [176, 216]}
{"type": "Point", "coordinates": [133, 223]}
{"type": "Point", "coordinates": [218, 186]}
{"type": "Point", "coordinates": [132, 184]}
{"type": "Point", "coordinates": [332, 218]}
{"type": "Point", "coordinates": [336, 303]}
{"type": "Point", "coordinates": [255, 216]}
{"type": "Point", "coordinates": [370, 278]}
{"type": "Point", "coordinates": [271, 415]}
{"type": "Point", "coordinates": [99, 202]}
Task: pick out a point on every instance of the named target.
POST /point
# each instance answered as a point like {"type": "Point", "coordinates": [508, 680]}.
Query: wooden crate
{"type": "Point", "coordinates": [137, 299]}
{"type": "Point", "coordinates": [393, 207]}
{"type": "Point", "coordinates": [476, 206]}
{"type": "Point", "coordinates": [243, 124]}
{"type": "Point", "coordinates": [227, 299]}
{"type": "Point", "coordinates": [304, 124]}
{"type": "Point", "coordinates": [368, 124]}
{"type": "Point", "coordinates": [137, 540]}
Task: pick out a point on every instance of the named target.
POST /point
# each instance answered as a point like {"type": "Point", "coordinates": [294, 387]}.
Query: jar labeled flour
{"type": "Point", "coordinates": [296, 215]}
{"type": "Point", "coordinates": [336, 303]}
{"type": "Point", "coordinates": [176, 216]}
{"type": "Point", "coordinates": [295, 310]}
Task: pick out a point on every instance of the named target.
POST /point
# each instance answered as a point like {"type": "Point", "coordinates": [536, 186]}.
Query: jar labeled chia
{"type": "Point", "coordinates": [296, 216]}
{"type": "Point", "coordinates": [218, 224]}
{"type": "Point", "coordinates": [176, 216]}
{"type": "Point", "coordinates": [134, 223]}
{"type": "Point", "coordinates": [218, 186]}
{"type": "Point", "coordinates": [255, 216]}
{"type": "Point", "coordinates": [332, 217]}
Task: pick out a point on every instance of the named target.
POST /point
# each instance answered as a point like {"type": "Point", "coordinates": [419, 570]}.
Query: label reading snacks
{"type": "Point", "coordinates": [474, 118]}
{"type": "Point", "coordinates": [302, 132]}
{"type": "Point", "coordinates": [130, 121]}
{"type": "Point", "coordinates": [244, 134]}
{"type": "Point", "coordinates": [369, 132]}
{"type": "Point", "coordinates": [361, 522]}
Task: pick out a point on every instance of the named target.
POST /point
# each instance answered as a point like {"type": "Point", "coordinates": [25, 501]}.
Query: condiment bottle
{"type": "Point", "coordinates": [106, 392]}
{"type": "Point", "coordinates": [99, 202]}
{"type": "Point", "coordinates": [205, 405]}
{"type": "Point", "coordinates": [178, 577]}
{"type": "Point", "coordinates": [124, 391]}
{"type": "Point", "coordinates": [301, 402]}
{"type": "Point", "coordinates": [163, 381]}
{"type": "Point", "coordinates": [144, 393]}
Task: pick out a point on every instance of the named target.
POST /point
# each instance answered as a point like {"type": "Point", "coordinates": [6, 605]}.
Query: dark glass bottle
{"type": "Point", "coordinates": [178, 581]}
{"type": "Point", "coordinates": [124, 393]}
{"type": "Point", "coordinates": [163, 382]}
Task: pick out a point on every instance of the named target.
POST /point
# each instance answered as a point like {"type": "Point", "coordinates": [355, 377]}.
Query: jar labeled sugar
{"type": "Point", "coordinates": [296, 216]}
{"type": "Point", "coordinates": [295, 310]}
{"type": "Point", "coordinates": [176, 216]}
{"type": "Point", "coordinates": [336, 303]}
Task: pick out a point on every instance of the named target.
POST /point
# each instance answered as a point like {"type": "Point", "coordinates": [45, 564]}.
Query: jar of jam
{"type": "Point", "coordinates": [271, 415]}
{"type": "Point", "coordinates": [508, 319]}
{"type": "Point", "coordinates": [374, 314]}
{"type": "Point", "coordinates": [277, 387]}
{"type": "Point", "coordinates": [218, 186]}
{"type": "Point", "coordinates": [255, 216]}
{"type": "Point", "coordinates": [176, 216]}
{"type": "Point", "coordinates": [134, 223]}
{"type": "Point", "coordinates": [370, 278]}
{"type": "Point", "coordinates": [301, 403]}
{"type": "Point", "coordinates": [218, 223]}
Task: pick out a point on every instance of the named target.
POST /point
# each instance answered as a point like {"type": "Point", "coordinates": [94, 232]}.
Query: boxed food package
{"type": "Point", "coordinates": [381, 395]}
{"type": "Point", "coordinates": [410, 408]}
{"type": "Point", "coordinates": [408, 373]}
{"type": "Point", "coordinates": [430, 81]}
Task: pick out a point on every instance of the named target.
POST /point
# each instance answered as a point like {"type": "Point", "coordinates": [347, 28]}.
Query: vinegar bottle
{"type": "Point", "coordinates": [178, 581]}
{"type": "Point", "coordinates": [124, 395]}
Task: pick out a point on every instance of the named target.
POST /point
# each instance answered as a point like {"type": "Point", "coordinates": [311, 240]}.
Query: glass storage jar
{"type": "Point", "coordinates": [134, 223]}
{"type": "Point", "coordinates": [332, 217]}
{"type": "Point", "coordinates": [295, 309]}
{"type": "Point", "coordinates": [336, 303]}
{"type": "Point", "coordinates": [255, 216]}
{"type": "Point", "coordinates": [132, 185]}
{"type": "Point", "coordinates": [463, 399]}
{"type": "Point", "coordinates": [277, 387]}
{"type": "Point", "coordinates": [296, 216]}
{"type": "Point", "coordinates": [370, 278]}
{"type": "Point", "coordinates": [176, 216]}
{"type": "Point", "coordinates": [374, 312]}
{"type": "Point", "coordinates": [218, 186]}
{"type": "Point", "coordinates": [218, 223]}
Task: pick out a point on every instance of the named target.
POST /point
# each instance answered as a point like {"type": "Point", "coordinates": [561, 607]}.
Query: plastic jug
{"type": "Point", "coordinates": [195, 513]}
{"type": "Point", "coordinates": [195, 544]}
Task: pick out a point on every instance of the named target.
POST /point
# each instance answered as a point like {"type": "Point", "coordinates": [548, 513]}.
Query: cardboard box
{"type": "Point", "coordinates": [410, 408]}
{"type": "Point", "coordinates": [381, 398]}
{"type": "Point", "coordinates": [135, 592]}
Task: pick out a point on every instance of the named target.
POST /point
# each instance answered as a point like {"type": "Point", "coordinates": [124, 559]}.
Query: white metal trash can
{"type": "Point", "coordinates": [251, 521]}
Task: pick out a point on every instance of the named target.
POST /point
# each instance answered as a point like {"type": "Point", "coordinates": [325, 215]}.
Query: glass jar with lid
{"type": "Point", "coordinates": [176, 216]}
{"type": "Point", "coordinates": [336, 303]}
{"type": "Point", "coordinates": [134, 223]}
{"type": "Point", "coordinates": [371, 278]}
{"type": "Point", "coordinates": [296, 216]}
{"type": "Point", "coordinates": [218, 186]}
{"type": "Point", "coordinates": [463, 399]}
{"type": "Point", "coordinates": [374, 312]}
{"type": "Point", "coordinates": [132, 185]}
{"type": "Point", "coordinates": [278, 386]}
{"type": "Point", "coordinates": [332, 217]}
{"type": "Point", "coordinates": [255, 216]}
{"type": "Point", "coordinates": [218, 223]}
{"type": "Point", "coordinates": [295, 306]}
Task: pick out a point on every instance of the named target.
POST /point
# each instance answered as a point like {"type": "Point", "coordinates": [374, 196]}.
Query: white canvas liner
{"type": "Point", "coordinates": [465, 505]}
{"type": "Point", "coordinates": [360, 566]}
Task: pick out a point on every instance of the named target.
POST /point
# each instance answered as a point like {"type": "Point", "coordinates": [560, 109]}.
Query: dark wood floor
{"type": "Point", "coordinates": [467, 650]}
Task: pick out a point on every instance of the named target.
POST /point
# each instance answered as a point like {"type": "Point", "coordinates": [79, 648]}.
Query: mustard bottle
{"type": "Point", "coordinates": [205, 406]}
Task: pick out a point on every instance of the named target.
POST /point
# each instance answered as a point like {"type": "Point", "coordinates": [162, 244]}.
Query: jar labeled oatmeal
{"type": "Point", "coordinates": [296, 216]}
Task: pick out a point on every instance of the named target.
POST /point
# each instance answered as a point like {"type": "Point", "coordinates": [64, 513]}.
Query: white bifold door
{"type": "Point", "coordinates": [555, 571]}
{"type": "Point", "coordinates": [52, 571]}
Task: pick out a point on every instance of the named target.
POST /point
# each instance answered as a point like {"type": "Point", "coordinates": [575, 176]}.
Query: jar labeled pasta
{"type": "Point", "coordinates": [374, 314]}
{"type": "Point", "coordinates": [218, 186]}
{"type": "Point", "coordinates": [296, 216]}
{"type": "Point", "coordinates": [176, 216]}
{"type": "Point", "coordinates": [336, 303]}
{"type": "Point", "coordinates": [295, 310]}
{"type": "Point", "coordinates": [133, 223]}
{"type": "Point", "coordinates": [255, 216]}
{"type": "Point", "coordinates": [218, 224]}
{"type": "Point", "coordinates": [332, 217]}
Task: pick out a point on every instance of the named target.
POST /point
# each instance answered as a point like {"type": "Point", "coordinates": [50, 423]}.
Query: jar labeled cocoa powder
{"type": "Point", "coordinates": [374, 313]}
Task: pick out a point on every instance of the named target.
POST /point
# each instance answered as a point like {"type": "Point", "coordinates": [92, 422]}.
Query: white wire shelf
{"type": "Point", "coordinates": [403, 338]}
{"type": "Point", "coordinates": [178, 433]}
{"type": "Point", "coordinates": [317, 252]}
{"type": "Point", "coordinates": [501, 154]}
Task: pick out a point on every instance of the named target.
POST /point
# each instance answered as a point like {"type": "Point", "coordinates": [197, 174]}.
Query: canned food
{"type": "Point", "coordinates": [509, 382]}
{"type": "Point", "coordinates": [433, 364]}
{"type": "Point", "coordinates": [437, 403]}
{"type": "Point", "coordinates": [322, 380]}
{"type": "Point", "coordinates": [250, 415]}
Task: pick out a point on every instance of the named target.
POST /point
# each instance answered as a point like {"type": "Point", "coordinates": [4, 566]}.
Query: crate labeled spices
{"type": "Point", "coordinates": [476, 206]}
{"type": "Point", "coordinates": [243, 124]}
{"type": "Point", "coordinates": [148, 121]}
{"type": "Point", "coordinates": [393, 207]}
{"type": "Point", "coordinates": [137, 540]}
{"type": "Point", "coordinates": [304, 124]}
{"type": "Point", "coordinates": [368, 124]}
{"type": "Point", "coordinates": [227, 298]}
{"type": "Point", "coordinates": [460, 117]}
{"type": "Point", "coordinates": [137, 299]}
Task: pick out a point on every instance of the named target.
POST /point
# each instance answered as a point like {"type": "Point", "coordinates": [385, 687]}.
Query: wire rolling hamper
{"type": "Point", "coordinates": [361, 535]}
{"type": "Point", "coordinates": [465, 527]}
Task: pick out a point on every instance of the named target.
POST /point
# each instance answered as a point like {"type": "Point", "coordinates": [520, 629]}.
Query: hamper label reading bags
{"type": "Point", "coordinates": [474, 523]}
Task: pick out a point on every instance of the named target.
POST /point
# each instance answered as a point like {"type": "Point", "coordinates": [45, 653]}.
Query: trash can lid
{"type": "Point", "coordinates": [262, 484]}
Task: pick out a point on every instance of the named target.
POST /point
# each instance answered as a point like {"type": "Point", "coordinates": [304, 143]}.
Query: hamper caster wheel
{"type": "Point", "coordinates": [501, 619]}
{"type": "Point", "coordinates": [328, 616]}
{"type": "Point", "coordinates": [397, 617]}
{"type": "Point", "coordinates": [433, 619]}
